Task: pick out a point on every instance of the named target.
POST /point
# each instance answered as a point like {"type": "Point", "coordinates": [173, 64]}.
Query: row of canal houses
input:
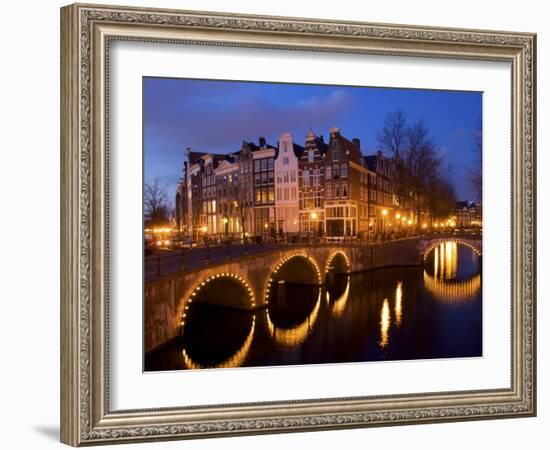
{"type": "Point", "coordinates": [321, 188]}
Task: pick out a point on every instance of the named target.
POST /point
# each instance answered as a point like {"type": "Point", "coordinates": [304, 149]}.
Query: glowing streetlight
{"type": "Point", "coordinates": [409, 222]}
{"type": "Point", "coordinates": [384, 212]}
{"type": "Point", "coordinates": [204, 229]}
{"type": "Point", "coordinates": [314, 216]}
{"type": "Point", "coordinates": [398, 216]}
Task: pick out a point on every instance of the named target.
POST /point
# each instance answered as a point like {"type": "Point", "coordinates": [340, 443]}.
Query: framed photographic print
{"type": "Point", "coordinates": [278, 224]}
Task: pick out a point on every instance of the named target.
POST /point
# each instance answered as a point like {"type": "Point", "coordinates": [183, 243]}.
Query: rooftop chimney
{"type": "Point", "coordinates": [357, 143]}
{"type": "Point", "coordinates": [262, 142]}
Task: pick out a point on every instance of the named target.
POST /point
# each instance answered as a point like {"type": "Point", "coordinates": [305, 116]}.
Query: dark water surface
{"type": "Point", "coordinates": [389, 314]}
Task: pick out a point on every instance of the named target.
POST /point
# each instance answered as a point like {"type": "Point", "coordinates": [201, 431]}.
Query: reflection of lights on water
{"type": "Point", "coordinates": [446, 260]}
{"type": "Point", "coordinates": [339, 305]}
{"type": "Point", "coordinates": [236, 360]}
{"type": "Point", "coordinates": [398, 303]}
{"type": "Point", "coordinates": [453, 291]}
{"type": "Point", "coordinates": [384, 323]}
{"type": "Point", "coordinates": [290, 337]}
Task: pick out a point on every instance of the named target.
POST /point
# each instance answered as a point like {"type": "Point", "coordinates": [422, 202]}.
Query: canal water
{"type": "Point", "coordinates": [433, 311]}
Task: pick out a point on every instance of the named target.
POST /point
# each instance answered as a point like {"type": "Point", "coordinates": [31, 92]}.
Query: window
{"type": "Point", "coordinates": [344, 170]}
{"type": "Point", "coordinates": [285, 160]}
{"type": "Point", "coordinates": [270, 177]}
{"type": "Point", "coordinates": [360, 192]}
{"type": "Point", "coordinates": [293, 176]}
{"type": "Point", "coordinates": [257, 179]}
{"type": "Point", "coordinates": [257, 165]}
{"type": "Point", "coordinates": [305, 176]}
{"type": "Point", "coordinates": [270, 164]}
{"type": "Point", "coordinates": [336, 190]}
{"type": "Point", "coordinates": [316, 177]}
{"type": "Point", "coordinates": [310, 156]}
{"type": "Point", "coordinates": [264, 164]}
{"type": "Point", "coordinates": [264, 177]}
{"type": "Point", "coordinates": [271, 195]}
{"type": "Point", "coordinates": [328, 172]}
{"type": "Point", "coordinates": [336, 171]}
{"type": "Point", "coordinates": [318, 200]}
{"type": "Point", "coordinates": [258, 196]}
{"type": "Point", "coordinates": [335, 155]}
{"type": "Point", "coordinates": [329, 190]}
{"type": "Point", "coordinates": [344, 190]}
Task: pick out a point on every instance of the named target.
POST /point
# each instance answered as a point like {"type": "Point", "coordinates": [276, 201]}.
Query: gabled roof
{"type": "Point", "coordinates": [345, 144]}
{"type": "Point", "coordinates": [317, 141]}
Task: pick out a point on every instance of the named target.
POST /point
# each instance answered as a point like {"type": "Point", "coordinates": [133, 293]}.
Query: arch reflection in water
{"type": "Point", "coordinates": [444, 283]}
{"type": "Point", "coordinates": [293, 335]}
{"type": "Point", "coordinates": [338, 305]}
{"type": "Point", "coordinates": [453, 291]}
{"type": "Point", "coordinates": [235, 360]}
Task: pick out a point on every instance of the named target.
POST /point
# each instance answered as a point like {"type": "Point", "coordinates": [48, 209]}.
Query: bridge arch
{"type": "Point", "coordinates": [434, 243]}
{"type": "Point", "coordinates": [339, 261]}
{"type": "Point", "coordinates": [279, 273]}
{"type": "Point", "coordinates": [219, 279]}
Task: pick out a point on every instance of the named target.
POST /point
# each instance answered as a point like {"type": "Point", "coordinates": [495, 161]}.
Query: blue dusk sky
{"type": "Point", "coordinates": [216, 116]}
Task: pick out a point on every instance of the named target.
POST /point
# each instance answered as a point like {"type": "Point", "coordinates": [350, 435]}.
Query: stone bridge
{"type": "Point", "coordinates": [245, 282]}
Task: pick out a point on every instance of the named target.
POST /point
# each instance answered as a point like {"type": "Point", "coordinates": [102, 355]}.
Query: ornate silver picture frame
{"type": "Point", "coordinates": [87, 32]}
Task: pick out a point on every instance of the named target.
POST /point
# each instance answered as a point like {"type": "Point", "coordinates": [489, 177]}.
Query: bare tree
{"type": "Point", "coordinates": [417, 165]}
{"type": "Point", "coordinates": [392, 139]}
{"type": "Point", "coordinates": [155, 202]}
{"type": "Point", "coordinates": [393, 136]}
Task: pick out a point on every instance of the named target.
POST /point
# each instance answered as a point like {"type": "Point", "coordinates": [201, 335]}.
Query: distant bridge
{"type": "Point", "coordinates": [245, 281]}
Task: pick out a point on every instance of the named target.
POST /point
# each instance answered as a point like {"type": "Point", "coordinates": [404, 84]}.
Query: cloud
{"type": "Point", "coordinates": [209, 119]}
